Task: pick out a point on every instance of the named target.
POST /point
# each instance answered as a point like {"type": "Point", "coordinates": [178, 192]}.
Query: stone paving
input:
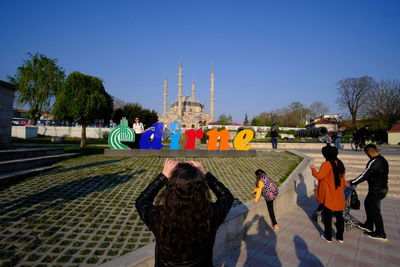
{"type": "Point", "coordinates": [298, 242]}
{"type": "Point", "coordinates": [83, 211]}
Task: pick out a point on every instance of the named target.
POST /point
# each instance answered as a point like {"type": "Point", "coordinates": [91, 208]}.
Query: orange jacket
{"type": "Point", "coordinates": [326, 193]}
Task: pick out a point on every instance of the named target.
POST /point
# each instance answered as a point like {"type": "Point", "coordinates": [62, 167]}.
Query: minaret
{"type": "Point", "coordinates": [193, 89]}
{"type": "Point", "coordinates": [212, 95]}
{"type": "Point", "coordinates": [165, 94]}
{"type": "Point", "coordinates": [180, 75]}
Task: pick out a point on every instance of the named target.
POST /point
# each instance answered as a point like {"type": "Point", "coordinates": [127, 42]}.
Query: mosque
{"type": "Point", "coordinates": [189, 111]}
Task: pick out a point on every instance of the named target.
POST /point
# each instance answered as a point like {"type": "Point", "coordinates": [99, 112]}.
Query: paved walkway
{"type": "Point", "coordinates": [298, 243]}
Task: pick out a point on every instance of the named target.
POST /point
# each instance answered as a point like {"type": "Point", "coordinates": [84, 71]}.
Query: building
{"type": "Point", "coordinates": [330, 121]}
{"type": "Point", "coordinates": [6, 104]}
{"type": "Point", "coordinates": [394, 134]}
{"type": "Point", "coordinates": [189, 111]}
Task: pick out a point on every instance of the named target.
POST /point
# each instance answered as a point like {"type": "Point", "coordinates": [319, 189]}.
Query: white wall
{"type": "Point", "coordinates": [72, 131]}
{"type": "Point", "coordinates": [24, 132]}
{"type": "Point", "coordinates": [393, 138]}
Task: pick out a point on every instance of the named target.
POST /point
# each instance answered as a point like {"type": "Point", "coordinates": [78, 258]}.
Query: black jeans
{"type": "Point", "coordinates": [327, 219]}
{"type": "Point", "coordinates": [137, 141]}
{"type": "Point", "coordinates": [270, 206]}
{"type": "Point", "coordinates": [372, 205]}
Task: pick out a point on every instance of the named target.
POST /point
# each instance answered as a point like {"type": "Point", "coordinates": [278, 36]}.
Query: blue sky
{"type": "Point", "coordinates": [267, 54]}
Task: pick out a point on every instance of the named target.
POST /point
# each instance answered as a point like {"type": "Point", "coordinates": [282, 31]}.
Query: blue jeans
{"type": "Point", "coordinates": [337, 142]}
{"type": "Point", "coordinates": [274, 141]}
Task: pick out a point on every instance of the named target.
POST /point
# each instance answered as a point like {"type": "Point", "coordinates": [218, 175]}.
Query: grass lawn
{"type": "Point", "coordinates": [83, 211]}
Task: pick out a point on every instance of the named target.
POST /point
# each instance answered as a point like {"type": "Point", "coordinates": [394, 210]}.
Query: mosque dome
{"type": "Point", "coordinates": [188, 101]}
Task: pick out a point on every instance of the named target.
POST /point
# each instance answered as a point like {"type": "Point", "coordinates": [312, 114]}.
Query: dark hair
{"type": "Point", "coordinates": [330, 153]}
{"type": "Point", "coordinates": [370, 147]}
{"type": "Point", "coordinates": [185, 212]}
{"type": "Point", "coordinates": [259, 173]}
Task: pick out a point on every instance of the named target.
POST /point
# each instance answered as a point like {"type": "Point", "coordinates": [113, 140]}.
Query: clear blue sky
{"type": "Point", "coordinates": [266, 53]}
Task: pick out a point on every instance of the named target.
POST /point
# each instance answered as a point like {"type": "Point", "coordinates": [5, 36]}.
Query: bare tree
{"type": "Point", "coordinates": [317, 108]}
{"type": "Point", "coordinates": [384, 104]}
{"type": "Point", "coordinates": [352, 94]}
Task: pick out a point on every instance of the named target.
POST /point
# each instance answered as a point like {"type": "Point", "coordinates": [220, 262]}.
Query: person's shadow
{"type": "Point", "coordinates": [61, 194]}
{"type": "Point", "coordinates": [267, 242]}
{"type": "Point", "coordinates": [308, 204]}
{"type": "Point", "coordinates": [305, 257]}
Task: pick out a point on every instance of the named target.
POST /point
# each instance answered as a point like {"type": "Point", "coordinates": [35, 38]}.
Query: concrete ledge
{"type": "Point", "coordinates": [242, 220]}
{"type": "Point", "coordinates": [288, 146]}
{"type": "Point", "coordinates": [202, 153]}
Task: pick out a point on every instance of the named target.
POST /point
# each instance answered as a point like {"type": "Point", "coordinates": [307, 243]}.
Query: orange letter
{"type": "Point", "coordinates": [191, 138]}
{"type": "Point", "coordinates": [223, 141]}
{"type": "Point", "coordinates": [243, 137]}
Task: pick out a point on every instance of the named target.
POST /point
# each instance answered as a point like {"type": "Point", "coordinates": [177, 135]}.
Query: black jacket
{"type": "Point", "coordinates": [376, 173]}
{"type": "Point", "coordinates": [201, 256]}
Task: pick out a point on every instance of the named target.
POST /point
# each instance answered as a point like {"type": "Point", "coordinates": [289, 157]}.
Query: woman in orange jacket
{"type": "Point", "coordinates": [330, 191]}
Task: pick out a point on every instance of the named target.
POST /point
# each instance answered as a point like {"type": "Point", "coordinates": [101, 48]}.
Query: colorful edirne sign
{"type": "Point", "coordinates": [125, 134]}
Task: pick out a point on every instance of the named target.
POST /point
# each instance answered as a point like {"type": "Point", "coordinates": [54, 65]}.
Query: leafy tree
{"type": "Point", "coordinates": [84, 99]}
{"type": "Point", "coordinates": [317, 108]}
{"type": "Point", "coordinates": [352, 94]}
{"type": "Point", "coordinates": [256, 122]}
{"type": "Point", "coordinates": [37, 80]}
{"type": "Point", "coordinates": [134, 110]}
{"type": "Point", "coordinates": [383, 105]}
{"type": "Point", "coordinates": [246, 120]}
{"type": "Point", "coordinates": [225, 119]}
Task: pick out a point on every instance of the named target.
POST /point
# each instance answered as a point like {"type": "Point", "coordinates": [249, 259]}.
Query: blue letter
{"type": "Point", "coordinates": [175, 128]}
{"type": "Point", "coordinates": [145, 142]}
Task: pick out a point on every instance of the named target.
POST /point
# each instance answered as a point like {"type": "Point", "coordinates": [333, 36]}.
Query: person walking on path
{"type": "Point", "coordinates": [376, 174]}
{"type": "Point", "coordinates": [338, 139]}
{"type": "Point", "coordinates": [274, 138]}
{"type": "Point", "coordinates": [184, 221]}
{"type": "Point", "coordinates": [266, 188]}
{"type": "Point", "coordinates": [138, 128]}
{"type": "Point", "coordinates": [330, 191]}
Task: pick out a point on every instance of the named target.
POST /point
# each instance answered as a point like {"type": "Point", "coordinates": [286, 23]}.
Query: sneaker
{"type": "Point", "coordinates": [340, 241]}
{"type": "Point", "coordinates": [276, 227]}
{"type": "Point", "coordinates": [327, 240]}
{"type": "Point", "coordinates": [377, 236]}
{"type": "Point", "coordinates": [363, 227]}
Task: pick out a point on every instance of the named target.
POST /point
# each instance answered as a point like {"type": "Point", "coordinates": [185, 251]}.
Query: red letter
{"type": "Point", "coordinates": [191, 138]}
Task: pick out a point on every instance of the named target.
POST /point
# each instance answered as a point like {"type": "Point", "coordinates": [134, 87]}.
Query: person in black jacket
{"type": "Point", "coordinates": [184, 221]}
{"type": "Point", "coordinates": [376, 174]}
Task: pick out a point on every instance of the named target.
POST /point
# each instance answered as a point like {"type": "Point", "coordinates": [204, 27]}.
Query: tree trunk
{"type": "Point", "coordinates": [83, 135]}
{"type": "Point", "coordinates": [354, 121]}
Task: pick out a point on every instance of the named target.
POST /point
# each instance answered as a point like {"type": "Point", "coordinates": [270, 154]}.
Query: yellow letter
{"type": "Point", "coordinates": [242, 138]}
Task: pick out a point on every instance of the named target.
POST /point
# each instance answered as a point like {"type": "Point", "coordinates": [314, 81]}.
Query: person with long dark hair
{"type": "Point", "coordinates": [184, 221]}
{"type": "Point", "coordinates": [266, 188]}
{"type": "Point", "coordinates": [330, 191]}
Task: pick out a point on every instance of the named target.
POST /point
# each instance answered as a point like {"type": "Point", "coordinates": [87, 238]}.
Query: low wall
{"type": "Point", "coordinates": [179, 153]}
{"type": "Point", "coordinates": [62, 131]}
{"type": "Point", "coordinates": [242, 220]}
{"type": "Point", "coordinates": [24, 132]}
{"type": "Point", "coordinates": [290, 146]}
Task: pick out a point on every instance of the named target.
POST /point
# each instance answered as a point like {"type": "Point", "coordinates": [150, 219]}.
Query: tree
{"type": "Point", "coordinates": [246, 120]}
{"type": "Point", "coordinates": [37, 80]}
{"type": "Point", "coordinates": [352, 94]}
{"type": "Point", "coordinates": [135, 110]}
{"type": "Point", "coordinates": [225, 119]}
{"type": "Point", "coordinates": [84, 99]}
{"type": "Point", "coordinates": [317, 108]}
{"type": "Point", "coordinates": [383, 108]}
